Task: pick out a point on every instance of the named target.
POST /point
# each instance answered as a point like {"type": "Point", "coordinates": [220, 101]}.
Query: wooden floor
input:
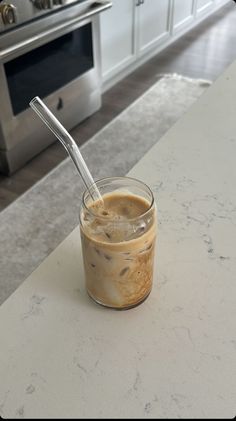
{"type": "Point", "coordinates": [203, 52]}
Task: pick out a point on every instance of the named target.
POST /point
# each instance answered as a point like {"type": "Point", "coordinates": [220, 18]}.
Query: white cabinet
{"type": "Point", "coordinates": [117, 37]}
{"type": "Point", "coordinates": [153, 24]}
{"type": "Point", "coordinates": [133, 31]}
{"type": "Point", "coordinates": [130, 29]}
{"type": "Point", "coordinates": [183, 14]}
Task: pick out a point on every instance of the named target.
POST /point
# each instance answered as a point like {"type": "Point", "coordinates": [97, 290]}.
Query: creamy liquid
{"type": "Point", "coordinates": [116, 219]}
{"type": "Point", "coordinates": [118, 241]}
{"type": "Point", "coordinates": [120, 206]}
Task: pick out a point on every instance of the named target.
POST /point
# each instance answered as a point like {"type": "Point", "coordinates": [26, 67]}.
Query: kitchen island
{"type": "Point", "coordinates": [174, 356]}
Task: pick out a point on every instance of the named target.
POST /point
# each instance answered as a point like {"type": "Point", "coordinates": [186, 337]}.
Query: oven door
{"type": "Point", "coordinates": [60, 65]}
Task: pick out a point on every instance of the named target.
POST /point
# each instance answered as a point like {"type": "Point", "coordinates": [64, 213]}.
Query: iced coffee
{"type": "Point", "coordinates": [118, 242]}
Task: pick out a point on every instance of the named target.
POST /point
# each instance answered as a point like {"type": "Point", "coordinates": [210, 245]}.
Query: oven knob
{"type": "Point", "coordinates": [8, 13]}
{"type": "Point", "coordinates": [43, 4]}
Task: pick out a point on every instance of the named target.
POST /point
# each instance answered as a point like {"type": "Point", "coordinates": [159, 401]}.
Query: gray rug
{"type": "Point", "coordinates": [32, 226]}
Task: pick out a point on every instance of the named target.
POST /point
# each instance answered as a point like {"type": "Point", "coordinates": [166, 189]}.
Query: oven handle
{"type": "Point", "coordinates": [56, 31]}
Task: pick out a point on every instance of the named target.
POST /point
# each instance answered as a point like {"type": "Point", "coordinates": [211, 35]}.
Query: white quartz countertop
{"type": "Point", "coordinates": [63, 356]}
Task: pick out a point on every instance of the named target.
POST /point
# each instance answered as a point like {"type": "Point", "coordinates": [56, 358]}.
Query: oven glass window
{"type": "Point", "coordinates": [45, 69]}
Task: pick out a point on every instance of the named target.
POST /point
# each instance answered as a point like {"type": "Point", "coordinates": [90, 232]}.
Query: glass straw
{"type": "Point", "coordinates": [68, 142]}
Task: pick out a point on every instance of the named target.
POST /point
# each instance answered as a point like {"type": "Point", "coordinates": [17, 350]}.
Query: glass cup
{"type": "Point", "coordinates": [118, 242]}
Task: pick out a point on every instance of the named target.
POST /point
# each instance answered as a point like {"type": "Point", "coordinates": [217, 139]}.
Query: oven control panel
{"type": "Point", "coordinates": [15, 12]}
{"type": "Point", "coordinates": [23, 12]}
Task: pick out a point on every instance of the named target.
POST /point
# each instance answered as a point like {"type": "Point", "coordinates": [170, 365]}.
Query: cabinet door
{"type": "Point", "coordinates": [203, 6]}
{"type": "Point", "coordinates": [153, 23]}
{"type": "Point", "coordinates": [117, 37]}
{"type": "Point", "coordinates": [182, 14]}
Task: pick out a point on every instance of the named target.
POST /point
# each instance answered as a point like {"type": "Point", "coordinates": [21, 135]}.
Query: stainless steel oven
{"type": "Point", "coordinates": [49, 48]}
